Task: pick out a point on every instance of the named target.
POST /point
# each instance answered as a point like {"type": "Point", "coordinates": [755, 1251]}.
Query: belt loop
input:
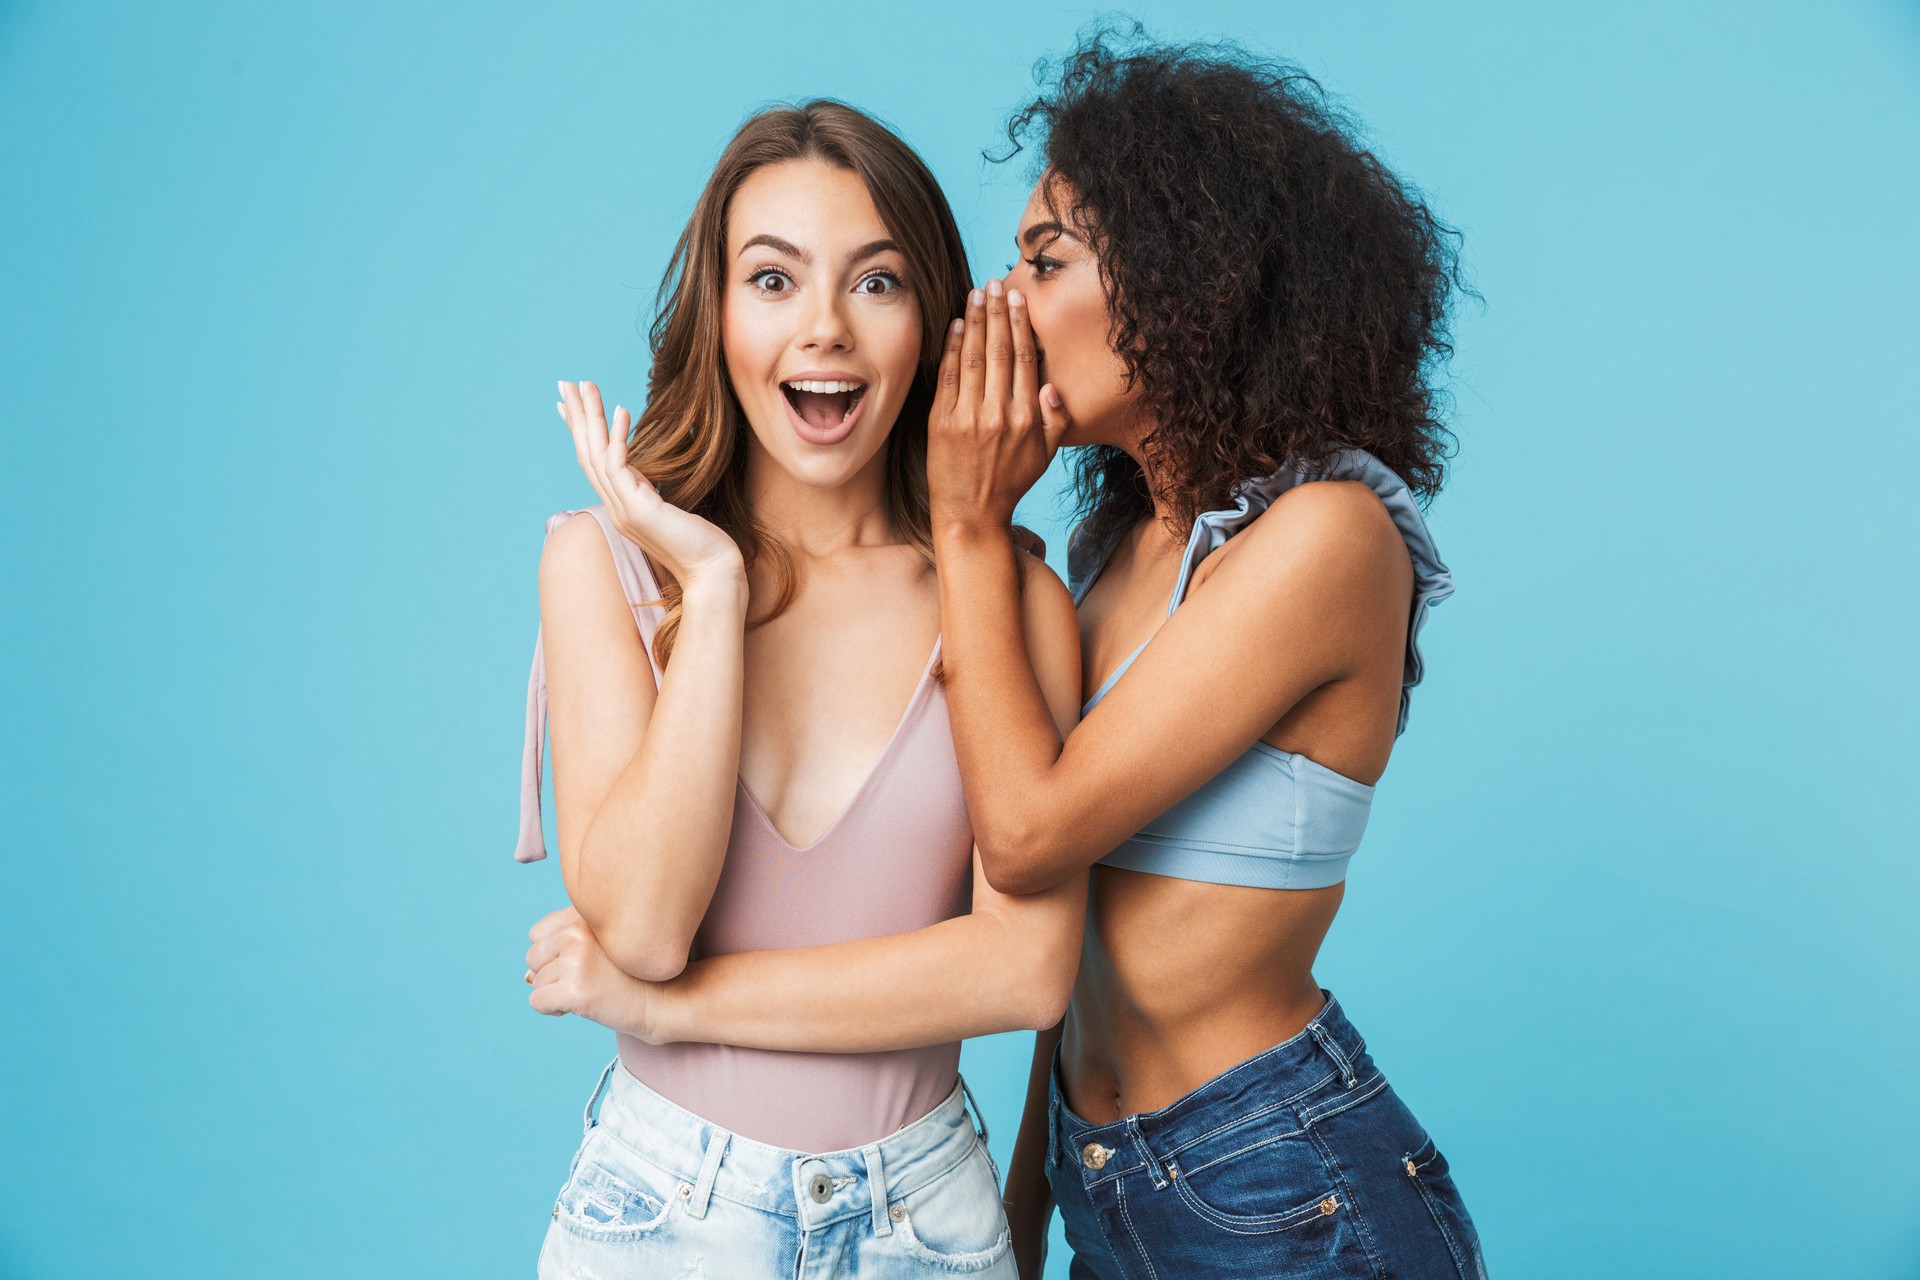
{"type": "Point", "coordinates": [1146, 1154]}
{"type": "Point", "coordinates": [717, 1139]}
{"type": "Point", "coordinates": [586, 1115]}
{"type": "Point", "coordinates": [968, 1095]}
{"type": "Point", "coordinates": [1325, 1041]}
{"type": "Point", "coordinates": [877, 1184]}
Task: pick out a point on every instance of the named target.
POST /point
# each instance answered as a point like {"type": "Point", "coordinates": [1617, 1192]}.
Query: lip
{"type": "Point", "coordinates": [806, 430]}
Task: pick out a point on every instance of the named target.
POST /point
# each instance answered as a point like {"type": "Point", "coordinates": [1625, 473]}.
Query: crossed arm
{"type": "Point", "coordinates": [1007, 964]}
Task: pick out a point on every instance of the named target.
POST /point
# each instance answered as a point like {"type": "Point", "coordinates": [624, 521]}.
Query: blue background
{"type": "Point", "coordinates": [283, 296]}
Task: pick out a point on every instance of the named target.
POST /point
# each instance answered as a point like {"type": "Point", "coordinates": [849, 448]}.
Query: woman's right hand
{"type": "Point", "coordinates": [686, 545]}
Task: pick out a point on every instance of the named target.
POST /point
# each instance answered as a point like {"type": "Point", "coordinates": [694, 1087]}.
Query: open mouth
{"type": "Point", "coordinates": [824, 407]}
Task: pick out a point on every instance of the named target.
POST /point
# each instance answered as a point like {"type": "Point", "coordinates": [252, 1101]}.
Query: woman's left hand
{"type": "Point", "coordinates": [570, 973]}
{"type": "Point", "coordinates": [993, 428]}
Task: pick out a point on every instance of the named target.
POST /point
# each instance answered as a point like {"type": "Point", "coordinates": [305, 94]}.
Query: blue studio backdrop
{"type": "Point", "coordinates": [284, 291]}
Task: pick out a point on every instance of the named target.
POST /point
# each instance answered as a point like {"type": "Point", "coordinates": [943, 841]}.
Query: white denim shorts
{"type": "Point", "coordinates": [656, 1191]}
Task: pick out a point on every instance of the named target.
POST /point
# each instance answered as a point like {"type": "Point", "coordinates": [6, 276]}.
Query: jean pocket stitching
{"type": "Point", "coordinates": [592, 1183]}
{"type": "Point", "coordinates": [1255, 1224]}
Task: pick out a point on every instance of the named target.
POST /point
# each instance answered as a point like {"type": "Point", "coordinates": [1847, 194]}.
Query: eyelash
{"type": "Point", "coordinates": [764, 272]}
{"type": "Point", "coordinates": [1042, 265]}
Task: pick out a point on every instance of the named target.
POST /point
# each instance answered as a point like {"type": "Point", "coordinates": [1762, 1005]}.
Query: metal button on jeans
{"type": "Point", "coordinates": [819, 1185]}
{"type": "Point", "coordinates": [1095, 1156]}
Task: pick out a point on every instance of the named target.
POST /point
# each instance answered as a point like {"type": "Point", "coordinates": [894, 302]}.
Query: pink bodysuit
{"type": "Point", "coordinates": [898, 858]}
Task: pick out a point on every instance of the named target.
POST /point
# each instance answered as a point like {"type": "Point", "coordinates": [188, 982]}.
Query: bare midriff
{"type": "Point", "coordinates": [1180, 980]}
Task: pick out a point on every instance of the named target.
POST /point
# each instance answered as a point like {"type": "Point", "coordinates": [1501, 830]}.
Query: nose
{"type": "Point", "coordinates": [824, 324]}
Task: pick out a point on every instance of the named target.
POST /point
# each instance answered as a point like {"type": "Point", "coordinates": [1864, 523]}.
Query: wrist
{"type": "Point", "coordinates": [965, 533]}
{"type": "Point", "coordinates": [721, 587]}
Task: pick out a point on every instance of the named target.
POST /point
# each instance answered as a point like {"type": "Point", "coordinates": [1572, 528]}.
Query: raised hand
{"type": "Point", "coordinates": [685, 544]}
{"type": "Point", "coordinates": [993, 428]}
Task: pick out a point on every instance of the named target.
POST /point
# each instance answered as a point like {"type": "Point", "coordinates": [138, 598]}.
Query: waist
{"type": "Point", "coordinates": [1317, 1071]}
{"type": "Point", "coordinates": [817, 1187]}
{"type": "Point", "coordinates": [795, 1101]}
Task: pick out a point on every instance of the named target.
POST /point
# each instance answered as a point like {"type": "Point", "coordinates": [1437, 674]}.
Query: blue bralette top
{"type": "Point", "coordinates": [1271, 819]}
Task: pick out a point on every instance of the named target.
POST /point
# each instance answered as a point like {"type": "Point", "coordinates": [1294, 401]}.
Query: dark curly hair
{"type": "Point", "coordinates": [1277, 294]}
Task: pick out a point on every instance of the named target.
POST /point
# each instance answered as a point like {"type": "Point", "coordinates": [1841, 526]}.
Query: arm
{"type": "Point", "coordinates": [1009, 964]}
{"type": "Point", "coordinates": [1303, 597]}
{"type": "Point", "coordinates": [643, 779]}
{"type": "Point", "coordinates": [1029, 1198]}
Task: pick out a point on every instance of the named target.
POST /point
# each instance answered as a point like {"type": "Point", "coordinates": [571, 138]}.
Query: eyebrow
{"type": "Point", "coordinates": [792, 250]}
{"type": "Point", "coordinates": [1052, 227]}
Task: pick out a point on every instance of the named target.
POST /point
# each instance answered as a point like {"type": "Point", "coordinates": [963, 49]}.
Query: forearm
{"type": "Point", "coordinates": [968, 976]}
{"type": "Point", "coordinates": [650, 858]}
{"type": "Point", "coordinates": [1003, 733]}
{"type": "Point", "coordinates": [1029, 1196]}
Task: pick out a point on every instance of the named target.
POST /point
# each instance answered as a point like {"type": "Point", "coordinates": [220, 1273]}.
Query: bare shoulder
{"type": "Point", "coordinates": [576, 566]}
{"type": "Point", "coordinates": [1332, 527]}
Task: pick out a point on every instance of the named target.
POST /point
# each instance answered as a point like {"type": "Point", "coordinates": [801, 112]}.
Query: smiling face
{"type": "Point", "coordinates": [820, 323]}
{"type": "Point", "coordinates": [1059, 276]}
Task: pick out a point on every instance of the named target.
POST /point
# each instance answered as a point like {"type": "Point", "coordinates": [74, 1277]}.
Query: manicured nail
{"type": "Point", "coordinates": [957, 328]}
{"type": "Point", "coordinates": [995, 288]}
{"type": "Point", "coordinates": [563, 389]}
{"type": "Point", "coordinates": [976, 298]}
{"type": "Point", "coordinates": [1051, 396]}
{"type": "Point", "coordinates": [1014, 299]}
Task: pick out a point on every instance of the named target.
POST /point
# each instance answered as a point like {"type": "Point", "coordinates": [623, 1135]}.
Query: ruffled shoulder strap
{"type": "Point", "coordinates": [1432, 581]}
{"type": "Point", "coordinates": [642, 590]}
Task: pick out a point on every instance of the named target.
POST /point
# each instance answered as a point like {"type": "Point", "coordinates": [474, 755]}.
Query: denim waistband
{"type": "Point", "coordinates": [816, 1188]}
{"type": "Point", "coordinates": [1327, 1051]}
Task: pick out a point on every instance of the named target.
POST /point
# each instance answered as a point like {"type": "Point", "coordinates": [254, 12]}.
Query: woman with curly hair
{"type": "Point", "coordinates": [1233, 309]}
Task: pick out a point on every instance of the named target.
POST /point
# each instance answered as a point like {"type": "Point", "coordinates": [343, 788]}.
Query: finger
{"type": "Point", "coordinates": [973, 352]}
{"type": "Point", "coordinates": [999, 381]}
{"type": "Point", "coordinates": [583, 451]}
{"type": "Point", "coordinates": [947, 389]}
{"type": "Point", "coordinates": [529, 978]}
{"type": "Point", "coordinates": [1054, 418]}
{"type": "Point", "coordinates": [547, 1000]}
{"type": "Point", "coordinates": [1026, 361]}
{"type": "Point", "coordinates": [547, 923]}
{"type": "Point", "coordinates": [594, 416]}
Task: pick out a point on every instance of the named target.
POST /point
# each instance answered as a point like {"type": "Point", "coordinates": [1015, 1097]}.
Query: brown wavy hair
{"type": "Point", "coordinates": [1277, 293]}
{"type": "Point", "coordinates": [691, 439]}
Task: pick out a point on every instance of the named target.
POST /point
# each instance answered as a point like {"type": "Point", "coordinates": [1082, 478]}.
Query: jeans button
{"type": "Point", "coordinates": [819, 1185]}
{"type": "Point", "coordinates": [1094, 1156]}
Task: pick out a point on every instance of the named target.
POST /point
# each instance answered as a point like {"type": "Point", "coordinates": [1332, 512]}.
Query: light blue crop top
{"type": "Point", "coordinates": [1272, 819]}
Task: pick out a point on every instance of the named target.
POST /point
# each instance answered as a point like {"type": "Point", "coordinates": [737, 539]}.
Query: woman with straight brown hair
{"type": "Point", "coordinates": [727, 642]}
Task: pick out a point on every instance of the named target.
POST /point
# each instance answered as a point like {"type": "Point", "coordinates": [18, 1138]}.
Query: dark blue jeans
{"type": "Point", "coordinates": [1299, 1162]}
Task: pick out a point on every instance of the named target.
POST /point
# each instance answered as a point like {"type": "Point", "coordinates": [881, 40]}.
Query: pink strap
{"type": "Point", "coordinates": [642, 590]}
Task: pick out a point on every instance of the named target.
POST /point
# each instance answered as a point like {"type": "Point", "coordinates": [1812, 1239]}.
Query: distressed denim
{"type": "Point", "coordinates": [1299, 1162]}
{"type": "Point", "coordinates": [655, 1191]}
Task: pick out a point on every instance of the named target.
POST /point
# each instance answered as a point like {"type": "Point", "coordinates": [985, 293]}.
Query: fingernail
{"type": "Point", "coordinates": [957, 327]}
{"type": "Point", "coordinates": [1051, 396]}
{"type": "Point", "coordinates": [976, 298]}
{"type": "Point", "coordinates": [1014, 299]}
{"type": "Point", "coordinates": [563, 389]}
{"type": "Point", "coordinates": [995, 288]}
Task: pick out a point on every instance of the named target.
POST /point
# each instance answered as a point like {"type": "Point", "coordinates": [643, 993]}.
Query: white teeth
{"type": "Point", "coordinates": [824, 388]}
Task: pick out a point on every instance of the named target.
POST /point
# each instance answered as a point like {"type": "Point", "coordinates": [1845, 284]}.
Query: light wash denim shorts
{"type": "Point", "coordinates": [656, 1191]}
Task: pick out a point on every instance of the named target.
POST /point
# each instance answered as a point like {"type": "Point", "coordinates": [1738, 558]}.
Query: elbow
{"type": "Point", "coordinates": [1016, 858]}
{"type": "Point", "coordinates": [649, 950]}
{"type": "Point", "coordinates": [1044, 995]}
{"type": "Point", "coordinates": [649, 963]}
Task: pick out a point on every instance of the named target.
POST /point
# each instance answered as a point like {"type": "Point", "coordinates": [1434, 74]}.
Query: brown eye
{"type": "Point", "coordinates": [771, 280]}
{"type": "Point", "coordinates": [879, 284]}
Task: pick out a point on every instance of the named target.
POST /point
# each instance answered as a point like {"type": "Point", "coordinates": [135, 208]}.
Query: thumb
{"type": "Point", "coordinates": [1054, 418]}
